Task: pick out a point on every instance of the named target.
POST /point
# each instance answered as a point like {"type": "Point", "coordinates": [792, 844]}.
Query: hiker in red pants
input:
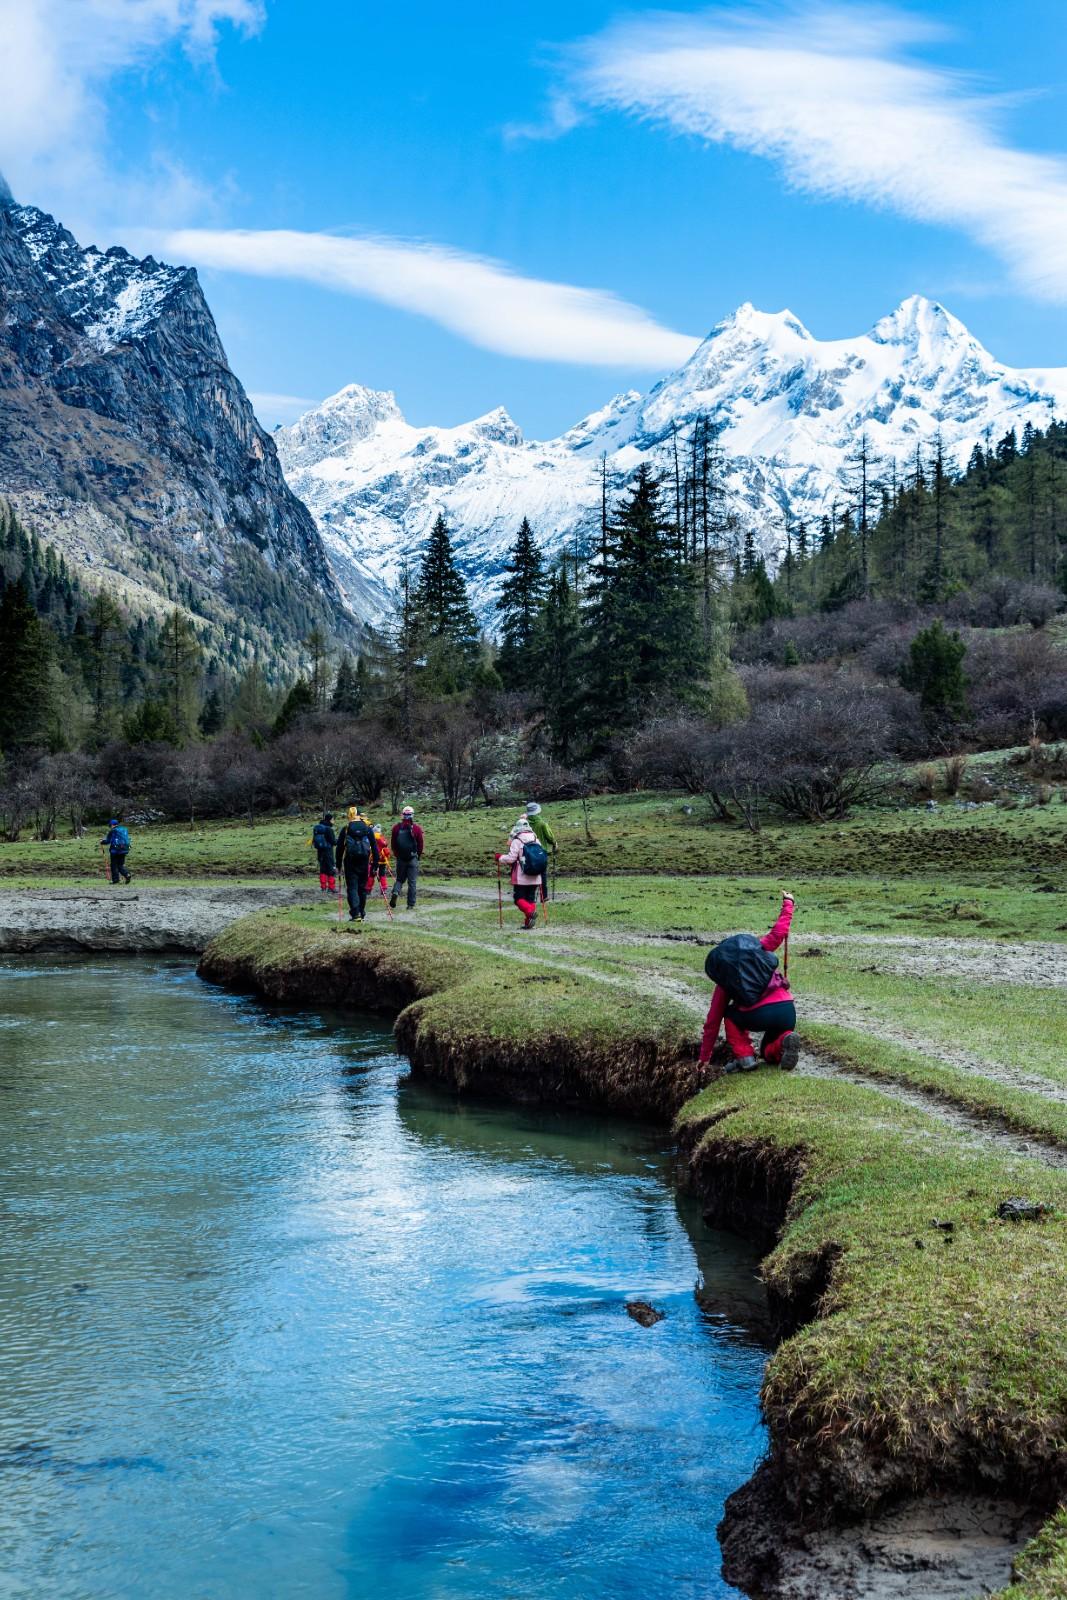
{"type": "Point", "coordinates": [752, 995]}
{"type": "Point", "coordinates": [527, 859]}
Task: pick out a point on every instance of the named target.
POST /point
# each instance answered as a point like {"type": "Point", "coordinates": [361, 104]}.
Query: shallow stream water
{"type": "Point", "coordinates": [276, 1321]}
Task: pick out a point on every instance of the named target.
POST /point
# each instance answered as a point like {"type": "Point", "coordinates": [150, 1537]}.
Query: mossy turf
{"type": "Point", "coordinates": [936, 1354]}
{"type": "Point", "coordinates": [1041, 1570]}
{"type": "Point", "coordinates": [633, 833]}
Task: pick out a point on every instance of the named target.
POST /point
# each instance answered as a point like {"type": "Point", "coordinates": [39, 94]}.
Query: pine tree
{"type": "Point", "coordinates": [318, 649]}
{"type": "Point", "coordinates": [179, 668]}
{"type": "Point", "coordinates": [521, 596]}
{"type": "Point", "coordinates": [445, 622]}
{"type": "Point", "coordinates": [347, 698]}
{"type": "Point", "coordinates": [558, 661]}
{"type": "Point", "coordinates": [212, 715]}
{"type": "Point", "coordinates": [26, 655]}
{"type": "Point", "coordinates": [934, 671]}
{"type": "Point", "coordinates": [298, 703]}
{"type": "Point", "coordinates": [647, 647]}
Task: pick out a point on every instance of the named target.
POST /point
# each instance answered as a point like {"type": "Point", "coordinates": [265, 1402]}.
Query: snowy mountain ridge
{"type": "Point", "coordinates": [791, 409]}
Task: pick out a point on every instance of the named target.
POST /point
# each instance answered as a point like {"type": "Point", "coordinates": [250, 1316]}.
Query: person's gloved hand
{"type": "Point", "coordinates": [787, 896]}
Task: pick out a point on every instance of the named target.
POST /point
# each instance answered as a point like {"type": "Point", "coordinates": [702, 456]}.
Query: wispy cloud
{"type": "Point", "coordinates": [57, 58]}
{"type": "Point", "coordinates": [562, 117]}
{"type": "Point", "coordinates": [274, 408]}
{"type": "Point", "coordinates": [482, 300]}
{"type": "Point", "coordinates": [833, 96]}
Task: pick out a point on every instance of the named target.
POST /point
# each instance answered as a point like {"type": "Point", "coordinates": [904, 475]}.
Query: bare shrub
{"type": "Point", "coordinates": [925, 781]}
{"type": "Point", "coordinates": [953, 772]}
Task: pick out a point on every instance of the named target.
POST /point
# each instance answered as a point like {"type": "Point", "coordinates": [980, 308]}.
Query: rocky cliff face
{"type": "Point", "coordinates": [791, 409]}
{"type": "Point", "coordinates": [126, 440]}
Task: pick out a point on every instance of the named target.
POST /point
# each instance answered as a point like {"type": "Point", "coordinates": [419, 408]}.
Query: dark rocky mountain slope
{"type": "Point", "coordinates": [127, 442]}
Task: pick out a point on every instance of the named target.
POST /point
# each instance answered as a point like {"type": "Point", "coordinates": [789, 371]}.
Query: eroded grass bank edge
{"type": "Point", "coordinates": [884, 1385]}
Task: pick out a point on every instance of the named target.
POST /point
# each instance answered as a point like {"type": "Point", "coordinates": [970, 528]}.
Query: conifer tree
{"type": "Point", "coordinates": [445, 622]}
{"type": "Point", "coordinates": [558, 661]}
{"type": "Point", "coordinates": [347, 698]}
{"type": "Point", "coordinates": [521, 596]}
{"type": "Point", "coordinates": [26, 704]}
{"type": "Point", "coordinates": [179, 668]}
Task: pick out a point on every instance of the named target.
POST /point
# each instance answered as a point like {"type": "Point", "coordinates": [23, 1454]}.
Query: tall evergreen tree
{"type": "Point", "coordinates": [26, 704]}
{"type": "Point", "coordinates": [558, 660]}
{"type": "Point", "coordinates": [522, 594]}
{"type": "Point", "coordinates": [646, 645]}
{"type": "Point", "coordinates": [447, 630]}
{"type": "Point", "coordinates": [347, 698]}
{"type": "Point", "coordinates": [179, 669]}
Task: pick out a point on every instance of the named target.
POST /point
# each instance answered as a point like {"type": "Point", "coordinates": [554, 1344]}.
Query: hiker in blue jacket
{"type": "Point", "coordinates": [117, 840]}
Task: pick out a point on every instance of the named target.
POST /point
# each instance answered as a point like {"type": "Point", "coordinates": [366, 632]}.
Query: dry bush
{"type": "Point", "coordinates": [926, 780]}
{"type": "Point", "coordinates": [953, 772]}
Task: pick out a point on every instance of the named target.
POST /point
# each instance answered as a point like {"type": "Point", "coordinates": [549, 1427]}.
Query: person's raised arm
{"type": "Point", "coordinates": [772, 940]}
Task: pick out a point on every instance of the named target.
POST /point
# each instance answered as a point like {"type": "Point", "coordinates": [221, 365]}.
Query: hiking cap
{"type": "Point", "coordinates": [522, 826]}
{"type": "Point", "coordinates": [114, 822]}
{"type": "Point", "coordinates": [533, 809]}
{"type": "Point", "coordinates": [408, 811]}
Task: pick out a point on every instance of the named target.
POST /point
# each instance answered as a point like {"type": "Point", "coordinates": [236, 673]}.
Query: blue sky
{"type": "Point", "coordinates": [833, 161]}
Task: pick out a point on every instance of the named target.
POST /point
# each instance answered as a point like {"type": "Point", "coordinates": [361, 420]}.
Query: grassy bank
{"type": "Point", "coordinates": [914, 1355]}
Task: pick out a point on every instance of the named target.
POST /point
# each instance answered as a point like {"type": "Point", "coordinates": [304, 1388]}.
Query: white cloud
{"type": "Point", "coordinates": [562, 117]}
{"type": "Point", "coordinates": [274, 408]}
{"type": "Point", "coordinates": [56, 60]}
{"type": "Point", "coordinates": [483, 301]}
{"type": "Point", "coordinates": [831, 96]}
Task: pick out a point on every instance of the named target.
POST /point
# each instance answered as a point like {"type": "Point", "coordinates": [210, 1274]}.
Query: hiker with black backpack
{"type": "Point", "coordinates": [117, 840]}
{"type": "Point", "coordinates": [325, 843]}
{"type": "Point", "coordinates": [751, 994]}
{"type": "Point", "coordinates": [357, 857]}
{"type": "Point", "coordinates": [527, 858]}
{"type": "Point", "coordinates": [408, 842]}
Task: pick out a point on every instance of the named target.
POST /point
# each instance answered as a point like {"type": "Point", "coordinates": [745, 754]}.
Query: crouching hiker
{"type": "Point", "coordinates": [409, 844]}
{"type": "Point", "coordinates": [117, 840]}
{"type": "Point", "coordinates": [527, 860]}
{"type": "Point", "coordinates": [751, 994]}
{"type": "Point", "coordinates": [325, 843]}
{"type": "Point", "coordinates": [357, 857]}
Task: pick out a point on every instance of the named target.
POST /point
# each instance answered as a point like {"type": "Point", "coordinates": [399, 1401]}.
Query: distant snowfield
{"type": "Point", "coordinates": [791, 407]}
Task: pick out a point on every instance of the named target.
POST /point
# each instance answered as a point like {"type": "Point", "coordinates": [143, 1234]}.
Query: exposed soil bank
{"type": "Point", "coordinates": [833, 1517]}
{"type": "Point", "coordinates": [136, 919]}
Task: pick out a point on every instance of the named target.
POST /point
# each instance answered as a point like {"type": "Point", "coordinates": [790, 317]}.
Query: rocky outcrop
{"type": "Point", "coordinates": [126, 440]}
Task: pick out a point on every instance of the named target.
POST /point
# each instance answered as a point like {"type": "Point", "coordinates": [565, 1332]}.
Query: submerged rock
{"type": "Point", "coordinates": [644, 1313]}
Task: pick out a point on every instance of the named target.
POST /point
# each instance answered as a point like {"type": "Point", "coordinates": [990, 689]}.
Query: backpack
{"type": "Point", "coordinates": [406, 844]}
{"type": "Point", "coordinates": [318, 836]}
{"type": "Point", "coordinates": [120, 839]}
{"type": "Point", "coordinates": [743, 967]}
{"type": "Point", "coordinates": [357, 841]}
{"type": "Point", "coordinates": [534, 859]}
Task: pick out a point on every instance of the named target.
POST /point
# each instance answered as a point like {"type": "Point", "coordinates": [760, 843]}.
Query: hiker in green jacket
{"type": "Point", "coordinates": [542, 829]}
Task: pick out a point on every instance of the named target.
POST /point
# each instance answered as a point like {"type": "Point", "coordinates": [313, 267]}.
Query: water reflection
{"type": "Point", "coordinates": [275, 1320]}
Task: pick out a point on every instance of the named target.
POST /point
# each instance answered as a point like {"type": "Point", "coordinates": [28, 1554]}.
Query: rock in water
{"type": "Point", "coordinates": [644, 1313]}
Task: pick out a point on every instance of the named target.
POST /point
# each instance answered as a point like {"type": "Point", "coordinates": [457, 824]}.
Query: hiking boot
{"type": "Point", "coordinates": [745, 1064]}
{"type": "Point", "coordinates": [531, 922]}
{"type": "Point", "coordinates": [790, 1052]}
{"type": "Point", "coordinates": [392, 902]}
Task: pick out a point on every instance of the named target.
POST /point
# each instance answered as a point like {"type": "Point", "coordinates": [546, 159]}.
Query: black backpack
{"type": "Point", "coordinates": [318, 836]}
{"type": "Point", "coordinates": [534, 859]}
{"type": "Point", "coordinates": [406, 845]}
{"type": "Point", "coordinates": [357, 841]}
{"type": "Point", "coordinates": [743, 967]}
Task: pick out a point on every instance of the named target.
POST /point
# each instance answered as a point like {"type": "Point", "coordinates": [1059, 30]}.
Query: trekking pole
{"type": "Point", "coordinates": [104, 865]}
{"type": "Point", "coordinates": [385, 897]}
{"type": "Point", "coordinates": [544, 904]}
{"type": "Point", "coordinates": [499, 897]}
{"type": "Point", "coordinates": [785, 960]}
{"type": "Point", "coordinates": [340, 891]}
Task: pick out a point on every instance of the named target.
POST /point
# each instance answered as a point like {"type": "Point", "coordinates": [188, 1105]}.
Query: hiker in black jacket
{"type": "Point", "coordinates": [117, 840]}
{"type": "Point", "coordinates": [325, 842]}
{"type": "Point", "coordinates": [357, 857]}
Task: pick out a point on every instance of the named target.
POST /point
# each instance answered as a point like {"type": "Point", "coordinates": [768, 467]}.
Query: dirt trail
{"type": "Point", "coordinates": [969, 1126]}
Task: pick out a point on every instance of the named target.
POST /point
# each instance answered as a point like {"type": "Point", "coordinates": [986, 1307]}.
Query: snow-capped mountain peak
{"type": "Point", "coordinates": [789, 408]}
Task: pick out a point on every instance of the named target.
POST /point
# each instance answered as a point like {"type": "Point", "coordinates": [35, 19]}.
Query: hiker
{"type": "Point", "coordinates": [545, 837]}
{"type": "Point", "coordinates": [382, 869]}
{"type": "Point", "coordinates": [117, 840]}
{"type": "Point", "coordinates": [325, 843]}
{"type": "Point", "coordinates": [527, 859]}
{"type": "Point", "coordinates": [409, 845]}
{"type": "Point", "coordinates": [751, 994]}
{"type": "Point", "coordinates": [357, 857]}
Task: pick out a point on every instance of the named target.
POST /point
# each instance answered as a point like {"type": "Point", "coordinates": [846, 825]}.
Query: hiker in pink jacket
{"type": "Point", "coordinates": [525, 885]}
{"type": "Point", "coordinates": [774, 1015]}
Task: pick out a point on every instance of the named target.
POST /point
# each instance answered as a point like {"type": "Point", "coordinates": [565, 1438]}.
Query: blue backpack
{"type": "Point", "coordinates": [534, 859]}
{"type": "Point", "coordinates": [120, 840]}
